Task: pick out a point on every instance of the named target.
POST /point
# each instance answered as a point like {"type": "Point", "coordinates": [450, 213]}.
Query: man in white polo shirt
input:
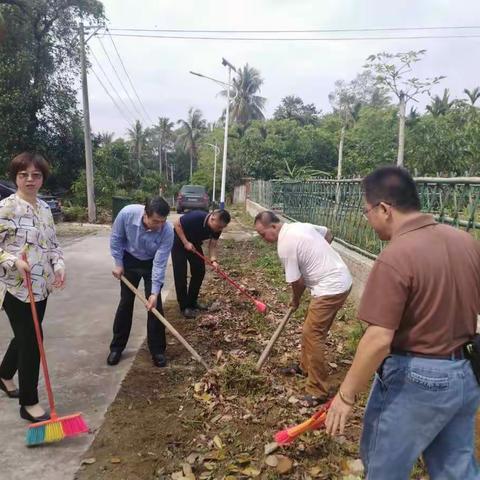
{"type": "Point", "coordinates": [310, 262]}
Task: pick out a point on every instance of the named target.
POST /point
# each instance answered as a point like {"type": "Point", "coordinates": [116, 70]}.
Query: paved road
{"type": "Point", "coordinates": [78, 326]}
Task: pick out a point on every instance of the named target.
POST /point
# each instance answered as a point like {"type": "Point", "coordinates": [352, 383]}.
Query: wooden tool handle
{"type": "Point", "coordinates": [271, 343]}
{"type": "Point", "coordinates": [165, 322]}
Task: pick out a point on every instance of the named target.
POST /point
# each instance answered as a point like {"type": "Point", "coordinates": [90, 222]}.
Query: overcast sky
{"type": "Point", "coordinates": [159, 68]}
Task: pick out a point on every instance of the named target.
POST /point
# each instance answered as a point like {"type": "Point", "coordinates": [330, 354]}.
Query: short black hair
{"type": "Point", "coordinates": [223, 216]}
{"type": "Point", "coordinates": [24, 160]}
{"type": "Point", "coordinates": [157, 205]}
{"type": "Point", "coordinates": [392, 185]}
{"type": "Point", "coordinates": [266, 218]}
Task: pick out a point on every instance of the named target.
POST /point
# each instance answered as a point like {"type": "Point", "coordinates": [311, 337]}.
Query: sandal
{"type": "Point", "coordinates": [293, 370]}
{"type": "Point", "coordinates": [311, 400]}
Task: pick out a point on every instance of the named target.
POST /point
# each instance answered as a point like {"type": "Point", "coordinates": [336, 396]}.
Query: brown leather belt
{"type": "Point", "coordinates": [457, 354]}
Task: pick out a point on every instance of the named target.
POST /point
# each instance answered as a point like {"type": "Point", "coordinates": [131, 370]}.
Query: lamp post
{"type": "Point", "coordinates": [216, 150]}
{"type": "Point", "coordinates": [230, 67]}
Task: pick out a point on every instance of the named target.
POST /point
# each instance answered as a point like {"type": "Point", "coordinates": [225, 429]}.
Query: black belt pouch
{"type": "Point", "coordinates": [472, 351]}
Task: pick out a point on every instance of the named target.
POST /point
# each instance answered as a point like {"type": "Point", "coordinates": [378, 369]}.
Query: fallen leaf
{"type": "Point", "coordinates": [271, 461]}
{"type": "Point", "coordinates": [314, 471]}
{"type": "Point", "coordinates": [270, 448]}
{"type": "Point", "coordinates": [192, 458]}
{"type": "Point", "coordinates": [187, 469]}
{"type": "Point", "coordinates": [251, 472]}
{"type": "Point", "coordinates": [115, 460]}
{"type": "Point", "coordinates": [218, 442]}
{"type": "Point", "coordinates": [333, 364]}
{"type": "Point", "coordinates": [88, 461]}
{"type": "Point", "coordinates": [353, 467]}
{"type": "Point", "coordinates": [284, 465]}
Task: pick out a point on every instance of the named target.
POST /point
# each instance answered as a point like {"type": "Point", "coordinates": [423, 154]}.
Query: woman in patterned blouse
{"type": "Point", "coordinates": [26, 227]}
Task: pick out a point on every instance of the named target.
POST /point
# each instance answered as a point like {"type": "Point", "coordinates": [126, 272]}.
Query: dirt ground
{"type": "Point", "coordinates": [182, 423]}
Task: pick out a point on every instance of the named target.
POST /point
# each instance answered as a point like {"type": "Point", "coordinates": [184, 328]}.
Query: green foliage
{"type": "Point", "coordinates": [371, 142]}
{"type": "Point", "coordinates": [245, 104]}
{"type": "Point", "coordinates": [39, 65]}
{"type": "Point", "coordinates": [293, 108]}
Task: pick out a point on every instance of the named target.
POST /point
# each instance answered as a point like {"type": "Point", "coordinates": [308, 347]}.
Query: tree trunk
{"type": "Point", "coordinates": [401, 130]}
{"type": "Point", "coordinates": [191, 165]}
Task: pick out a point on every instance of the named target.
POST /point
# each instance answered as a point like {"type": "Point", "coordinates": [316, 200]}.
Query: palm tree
{"type": "Point", "coordinates": [164, 133]}
{"type": "Point", "coordinates": [473, 95]}
{"type": "Point", "coordinates": [137, 137]}
{"type": "Point", "coordinates": [245, 104]}
{"type": "Point", "coordinates": [441, 105]}
{"type": "Point", "coordinates": [105, 138]}
{"type": "Point", "coordinates": [189, 135]}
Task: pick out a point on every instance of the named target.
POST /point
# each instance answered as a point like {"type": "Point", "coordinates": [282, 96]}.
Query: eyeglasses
{"type": "Point", "coordinates": [34, 175]}
{"type": "Point", "coordinates": [366, 210]}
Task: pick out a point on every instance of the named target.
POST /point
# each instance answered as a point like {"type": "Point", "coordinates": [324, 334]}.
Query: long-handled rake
{"type": "Point", "coordinates": [260, 306]}
{"type": "Point", "coordinates": [57, 428]}
{"type": "Point", "coordinates": [271, 343]}
{"type": "Point", "coordinates": [166, 323]}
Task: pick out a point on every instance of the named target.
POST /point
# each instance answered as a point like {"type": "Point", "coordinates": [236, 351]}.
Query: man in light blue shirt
{"type": "Point", "coordinates": [140, 245]}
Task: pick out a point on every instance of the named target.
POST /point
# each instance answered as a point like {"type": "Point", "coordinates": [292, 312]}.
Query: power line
{"type": "Point", "coordinates": [293, 39]}
{"type": "Point", "coordinates": [129, 79]}
{"type": "Point", "coordinates": [112, 86]}
{"type": "Point", "coordinates": [111, 98]}
{"type": "Point", "coordinates": [324, 30]}
{"type": "Point", "coordinates": [121, 82]}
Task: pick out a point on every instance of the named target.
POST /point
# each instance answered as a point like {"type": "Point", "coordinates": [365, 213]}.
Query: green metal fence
{"type": "Point", "coordinates": [339, 205]}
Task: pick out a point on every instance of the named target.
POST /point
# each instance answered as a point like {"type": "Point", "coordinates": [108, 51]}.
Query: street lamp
{"type": "Point", "coordinates": [230, 67]}
{"type": "Point", "coordinates": [217, 150]}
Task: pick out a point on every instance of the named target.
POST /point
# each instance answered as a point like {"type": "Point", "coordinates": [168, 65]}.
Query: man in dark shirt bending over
{"type": "Point", "coordinates": [190, 231]}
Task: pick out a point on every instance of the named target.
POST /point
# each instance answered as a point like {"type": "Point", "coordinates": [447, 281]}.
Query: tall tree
{"type": "Point", "coordinates": [136, 134]}
{"type": "Point", "coordinates": [473, 95]}
{"type": "Point", "coordinates": [245, 104]}
{"type": "Point", "coordinates": [190, 133]}
{"type": "Point", "coordinates": [163, 132]}
{"type": "Point", "coordinates": [39, 68]}
{"type": "Point", "coordinates": [441, 105]}
{"type": "Point", "coordinates": [391, 70]}
{"type": "Point", "coordinates": [293, 108]}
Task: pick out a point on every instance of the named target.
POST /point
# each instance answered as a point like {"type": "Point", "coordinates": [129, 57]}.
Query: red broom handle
{"type": "Point", "coordinates": [38, 333]}
{"type": "Point", "coordinates": [225, 276]}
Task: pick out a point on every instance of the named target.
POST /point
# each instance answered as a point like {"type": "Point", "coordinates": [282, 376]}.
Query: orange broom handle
{"type": "Point", "coordinates": [225, 276]}
{"type": "Point", "coordinates": [38, 333]}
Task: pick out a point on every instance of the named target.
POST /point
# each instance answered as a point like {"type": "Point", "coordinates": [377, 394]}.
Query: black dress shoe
{"type": "Point", "coordinates": [189, 313]}
{"type": "Point", "coordinates": [200, 306]}
{"type": "Point", "coordinates": [159, 360]}
{"type": "Point", "coordinates": [26, 416]}
{"type": "Point", "coordinates": [10, 393]}
{"type": "Point", "coordinates": [114, 357]}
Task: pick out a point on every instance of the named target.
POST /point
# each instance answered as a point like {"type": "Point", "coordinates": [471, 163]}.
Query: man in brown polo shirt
{"type": "Point", "coordinates": [420, 303]}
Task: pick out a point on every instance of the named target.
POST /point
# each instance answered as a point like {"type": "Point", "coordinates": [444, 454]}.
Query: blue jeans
{"type": "Point", "coordinates": [421, 406]}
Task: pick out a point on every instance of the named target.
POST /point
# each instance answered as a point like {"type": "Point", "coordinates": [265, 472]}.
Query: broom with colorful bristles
{"type": "Point", "coordinates": [315, 422]}
{"type": "Point", "coordinates": [57, 428]}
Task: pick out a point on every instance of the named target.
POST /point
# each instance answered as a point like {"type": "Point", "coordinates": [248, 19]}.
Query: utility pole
{"type": "Point", "coordinates": [230, 67]}
{"type": "Point", "coordinates": [92, 214]}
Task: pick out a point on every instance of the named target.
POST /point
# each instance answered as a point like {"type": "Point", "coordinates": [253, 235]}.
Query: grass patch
{"type": "Point", "coordinates": [239, 377]}
{"type": "Point", "coordinates": [354, 335]}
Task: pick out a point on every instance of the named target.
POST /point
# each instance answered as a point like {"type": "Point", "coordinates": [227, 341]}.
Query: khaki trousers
{"type": "Point", "coordinates": [320, 315]}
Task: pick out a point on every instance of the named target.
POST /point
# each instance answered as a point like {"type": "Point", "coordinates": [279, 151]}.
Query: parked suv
{"type": "Point", "coordinates": [192, 197]}
{"type": "Point", "coordinates": [7, 188]}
